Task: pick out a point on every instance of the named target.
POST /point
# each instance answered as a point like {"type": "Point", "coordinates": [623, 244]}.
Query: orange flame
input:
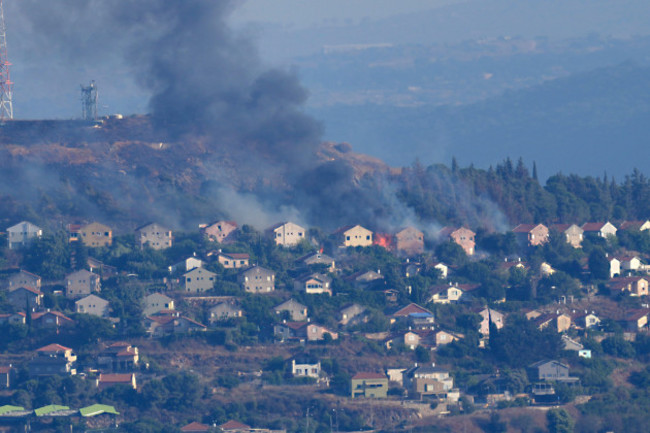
{"type": "Point", "coordinates": [383, 240]}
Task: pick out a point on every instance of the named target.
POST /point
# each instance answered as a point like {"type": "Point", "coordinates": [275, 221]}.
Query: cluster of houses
{"type": "Point", "coordinates": [118, 363]}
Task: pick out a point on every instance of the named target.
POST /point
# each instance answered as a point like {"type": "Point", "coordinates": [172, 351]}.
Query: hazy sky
{"type": "Point", "coordinates": [310, 13]}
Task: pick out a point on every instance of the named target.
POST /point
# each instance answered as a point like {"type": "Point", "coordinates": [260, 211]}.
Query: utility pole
{"type": "Point", "coordinates": [6, 86]}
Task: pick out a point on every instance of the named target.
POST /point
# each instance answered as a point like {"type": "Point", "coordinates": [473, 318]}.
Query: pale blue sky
{"type": "Point", "coordinates": [309, 13]}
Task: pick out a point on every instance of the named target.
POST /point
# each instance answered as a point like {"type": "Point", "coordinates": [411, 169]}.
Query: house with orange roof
{"type": "Point", "coordinates": [635, 286]}
{"type": "Point", "coordinates": [119, 356]}
{"type": "Point", "coordinates": [635, 225]}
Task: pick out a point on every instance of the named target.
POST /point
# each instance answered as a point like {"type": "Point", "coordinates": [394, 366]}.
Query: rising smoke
{"type": "Point", "coordinates": [204, 80]}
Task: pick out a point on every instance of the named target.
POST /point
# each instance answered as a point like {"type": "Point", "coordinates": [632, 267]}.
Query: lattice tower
{"type": "Point", "coordinates": [6, 106]}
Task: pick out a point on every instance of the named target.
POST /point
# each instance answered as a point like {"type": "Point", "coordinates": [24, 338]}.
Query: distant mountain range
{"type": "Point", "coordinates": [587, 123]}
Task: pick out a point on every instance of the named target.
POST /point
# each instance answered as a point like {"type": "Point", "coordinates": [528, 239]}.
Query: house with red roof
{"type": "Point", "coordinates": [635, 286]}
{"type": "Point", "coordinates": [233, 426]}
{"type": "Point", "coordinates": [53, 359]}
{"type": "Point", "coordinates": [107, 380]}
{"type": "Point", "coordinates": [25, 297]}
{"type": "Point", "coordinates": [635, 225]}
{"type": "Point", "coordinates": [531, 234]}
{"type": "Point", "coordinates": [195, 427]}
{"type": "Point", "coordinates": [369, 385]}
{"type": "Point", "coordinates": [51, 319]}
{"type": "Point", "coordinates": [573, 233]}
{"type": "Point", "coordinates": [600, 229]}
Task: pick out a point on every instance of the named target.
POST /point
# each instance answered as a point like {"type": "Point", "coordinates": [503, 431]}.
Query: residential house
{"type": "Point", "coordinates": [13, 318]}
{"type": "Point", "coordinates": [91, 235]}
{"type": "Point", "coordinates": [93, 305]}
{"type": "Point", "coordinates": [635, 225]}
{"type": "Point", "coordinates": [414, 315]}
{"type": "Point", "coordinates": [53, 359]}
{"type": "Point", "coordinates": [295, 310]}
{"type": "Point", "coordinates": [120, 356]}
{"type": "Point", "coordinates": [546, 270]}
{"type": "Point", "coordinates": [234, 260]}
{"type": "Point", "coordinates": [160, 326]}
{"type": "Point", "coordinates": [156, 302]}
{"type": "Point", "coordinates": [25, 298]}
{"type": "Point", "coordinates": [223, 232]}
{"type": "Point", "coordinates": [22, 234]}
{"type": "Point", "coordinates": [444, 269]}
{"type": "Point", "coordinates": [98, 267]}
{"type": "Point", "coordinates": [302, 331]}
{"type": "Point", "coordinates": [198, 280]}
{"type": "Point", "coordinates": [488, 314]}
{"type": "Point", "coordinates": [318, 258]}
{"type": "Point", "coordinates": [614, 266]}
{"type": "Point", "coordinates": [195, 427]}
{"type": "Point", "coordinates": [369, 385]}
{"type": "Point", "coordinates": [550, 370]}
{"type": "Point", "coordinates": [257, 280]}
{"type": "Point", "coordinates": [559, 322]}
{"type": "Point", "coordinates": [586, 320]}
{"type": "Point", "coordinates": [7, 374]}
{"type": "Point", "coordinates": [573, 233]}
{"type": "Point", "coordinates": [305, 368]}
{"type": "Point", "coordinates": [630, 263]}
{"type": "Point", "coordinates": [81, 283]}
{"type": "Point", "coordinates": [441, 337]}
{"type": "Point", "coordinates": [107, 380]}
{"type": "Point", "coordinates": [314, 284]}
{"type": "Point", "coordinates": [428, 381]}
{"type": "Point", "coordinates": [352, 315]}
{"type": "Point", "coordinates": [531, 234]}
{"type": "Point", "coordinates": [602, 230]}
{"type": "Point", "coordinates": [224, 311]}
{"type": "Point", "coordinates": [409, 241]}
{"type": "Point", "coordinates": [186, 265]}
{"type": "Point", "coordinates": [23, 279]}
{"type": "Point", "coordinates": [634, 286]}
{"type": "Point", "coordinates": [396, 374]}
{"type": "Point", "coordinates": [353, 236]}
{"type": "Point", "coordinates": [571, 344]}
{"type": "Point", "coordinates": [233, 426]}
{"type": "Point", "coordinates": [154, 236]}
{"type": "Point", "coordinates": [287, 234]}
{"type": "Point", "coordinates": [449, 293]}
{"type": "Point", "coordinates": [50, 319]}
{"type": "Point", "coordinates": [363, 279]}
{"type": "Point", "coordinates": [462, 236]}
{"type": "Point", "coordinates": [636, 320]}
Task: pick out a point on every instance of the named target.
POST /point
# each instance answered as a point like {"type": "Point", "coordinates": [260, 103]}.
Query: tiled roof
{"type": "Point", "coordinates": [53, 348]}
{"type": "Point", "coordinates": [234, 425]}
{"type": "Point", "coordinates": [368, 375]}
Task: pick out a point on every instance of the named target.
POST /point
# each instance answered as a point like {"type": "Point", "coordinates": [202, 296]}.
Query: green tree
{"type": "Point", "coordinates": [559, 421]}
{"type": "Point", "coordinates": [598, 264]}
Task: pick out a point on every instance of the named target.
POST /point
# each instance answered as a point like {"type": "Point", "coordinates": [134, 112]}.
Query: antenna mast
{"type": "Point", "coordinates": [6, 107]}
{"type": "Point", "coordinates": [88, 101]}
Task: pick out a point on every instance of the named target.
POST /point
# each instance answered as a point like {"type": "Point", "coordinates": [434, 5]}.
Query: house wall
{"type": "Point", "coordinates": [369, 388]}
{"type": "Point", "coordinates": [357, 237]}
{"type": "Point", "coordinates": [465, 238]}
{"type": "Point", "coordinates": [96, 235]}
{"type": "Point", "coordinates": [199, 280]}
{"type": "Point", "coordinates": [288, 234]}
{"type": "Point", "coordinates": [220, 231]}
{"type": "Point", "coordinates": [22, 234]}
{"type": "Point", "coordinates": [410, 241]}
{"type": "Point", "coordinates": [155, 236]}
{"type": "Point", "coordinates": [258, 280]}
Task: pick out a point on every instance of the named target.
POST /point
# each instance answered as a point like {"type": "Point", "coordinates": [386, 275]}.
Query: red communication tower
{"type": "Point", "coordinates": [6, 107]}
